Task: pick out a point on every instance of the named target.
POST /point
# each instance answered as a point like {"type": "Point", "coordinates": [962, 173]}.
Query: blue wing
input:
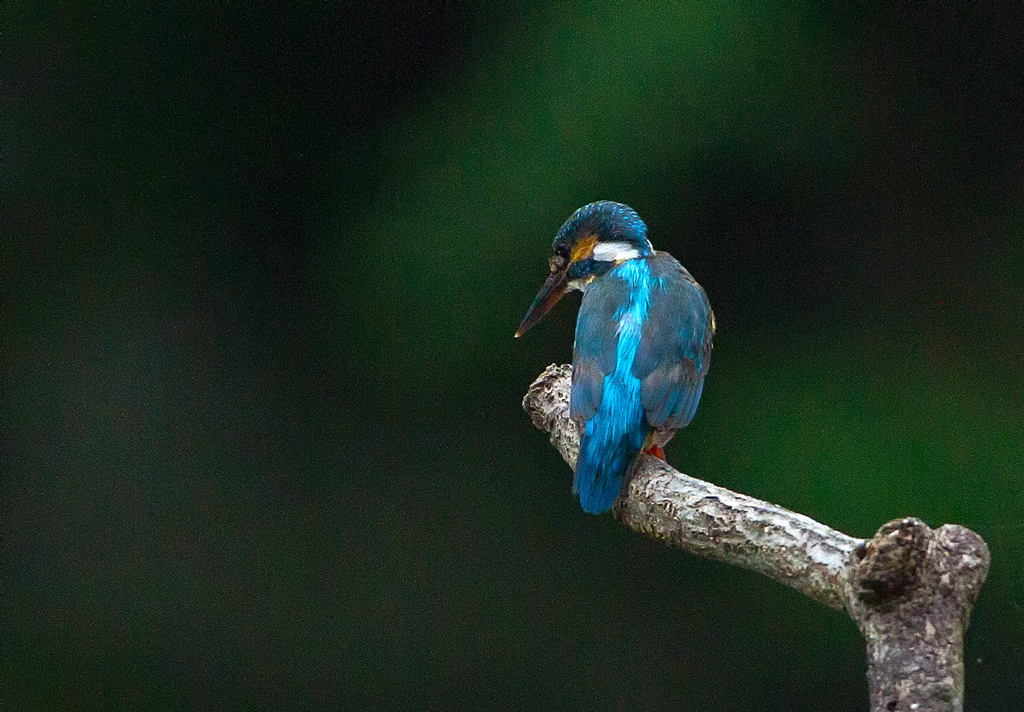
{"type": "Point", "coordinates": [605, 394]}
{"type": "Point", "coordinates": [675, 350]}
{"type": "Point", "coordinates": [597, 343]}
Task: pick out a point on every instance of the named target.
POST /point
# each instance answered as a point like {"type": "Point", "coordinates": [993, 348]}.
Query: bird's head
{"type": "Point", "coordinates": [596, 238]}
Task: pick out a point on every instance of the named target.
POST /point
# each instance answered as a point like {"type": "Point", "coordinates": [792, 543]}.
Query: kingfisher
{"type": "Point", "coordinates": [643, 343]}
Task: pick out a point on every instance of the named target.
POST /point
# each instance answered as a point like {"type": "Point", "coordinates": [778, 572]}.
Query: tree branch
{"type": "Point", "coordinates": [909, 589]}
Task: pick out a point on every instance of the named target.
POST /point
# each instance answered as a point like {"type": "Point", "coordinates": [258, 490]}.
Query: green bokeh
{"type": "Point", "coordinates": [575, 108]}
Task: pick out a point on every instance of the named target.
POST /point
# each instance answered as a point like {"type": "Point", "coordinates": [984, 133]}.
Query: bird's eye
{"type": "Point", "coordinates": [557, 262]}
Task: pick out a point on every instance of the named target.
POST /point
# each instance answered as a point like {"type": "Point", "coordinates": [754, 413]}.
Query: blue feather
{"type": "Point", "coordinates": [606, 450]}
{"type": "Point", "coordinates": [617, 430]}
{"type": "Point", "coordinates": [675, 351]}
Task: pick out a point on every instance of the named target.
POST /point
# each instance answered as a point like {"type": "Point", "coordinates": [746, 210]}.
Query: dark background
{"type": "Point", "coordinates": [260, 431]}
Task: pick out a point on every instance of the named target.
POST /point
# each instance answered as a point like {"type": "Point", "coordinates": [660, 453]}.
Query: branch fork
{"type": "Point", "coordinates": [910, 589]}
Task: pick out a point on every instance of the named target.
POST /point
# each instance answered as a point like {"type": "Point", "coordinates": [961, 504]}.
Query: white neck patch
{"type": "Point", "coordinates": [614, 252]}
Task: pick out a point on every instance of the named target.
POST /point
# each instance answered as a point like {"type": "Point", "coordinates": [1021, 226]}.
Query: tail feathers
{"type": "Point", "coordinates": [602, 463]}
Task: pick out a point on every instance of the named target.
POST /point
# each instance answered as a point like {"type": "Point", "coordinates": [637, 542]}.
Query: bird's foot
{"type": "Point", "coordinates": [656, 451]}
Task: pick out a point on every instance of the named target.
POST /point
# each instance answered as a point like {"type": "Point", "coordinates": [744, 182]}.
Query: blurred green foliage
{"type": "Point", "coordinates": [584, 100]}
{"type": "Point", "coordinates": [261, 437]}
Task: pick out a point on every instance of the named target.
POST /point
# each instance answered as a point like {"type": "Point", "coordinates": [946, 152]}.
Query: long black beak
{"type": "Point", "coordinates": [553, 289]}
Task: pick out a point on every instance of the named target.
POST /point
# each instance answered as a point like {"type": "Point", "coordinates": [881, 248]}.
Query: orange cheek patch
{"type": "Point", "coordinates": [584, 248]}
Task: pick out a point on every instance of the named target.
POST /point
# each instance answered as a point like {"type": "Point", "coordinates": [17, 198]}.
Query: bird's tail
{"type": "Point", "coordinates": [605, 454]}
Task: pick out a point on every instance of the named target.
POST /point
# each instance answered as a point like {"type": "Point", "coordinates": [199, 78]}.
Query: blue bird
{"type": "Point", "coordinates": [643, 343]}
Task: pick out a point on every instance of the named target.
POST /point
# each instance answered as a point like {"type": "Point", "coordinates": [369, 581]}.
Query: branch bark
{"type": "Point", "coordinates": [910, 589]}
